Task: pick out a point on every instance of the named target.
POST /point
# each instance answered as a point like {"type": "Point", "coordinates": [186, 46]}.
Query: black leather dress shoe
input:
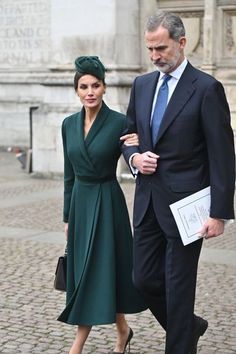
{"type": "Point", "coordinates": [199, 328]}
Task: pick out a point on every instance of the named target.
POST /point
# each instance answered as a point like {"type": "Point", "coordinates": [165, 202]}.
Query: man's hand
{"type": "Point", "coordinates": [212, 228]}
{"type": "Point", "coordinates": [146, 163]}
{"type": "Point", "coordinates": [130, 139]}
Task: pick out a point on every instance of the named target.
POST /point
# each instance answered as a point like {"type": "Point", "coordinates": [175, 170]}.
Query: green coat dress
{"type": "Point", "coordinates": [99, 268]}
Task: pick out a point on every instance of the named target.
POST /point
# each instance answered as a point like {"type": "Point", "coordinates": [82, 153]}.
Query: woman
{"type": "Point", "coordinates": [99, 285]}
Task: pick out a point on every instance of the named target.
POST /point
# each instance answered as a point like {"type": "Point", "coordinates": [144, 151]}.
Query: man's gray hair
{"type": "Point", "coordinates": [168, 20]}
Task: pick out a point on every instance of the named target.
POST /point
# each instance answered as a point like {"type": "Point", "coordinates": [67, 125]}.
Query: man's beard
{"type": "Point", "coordinates": [168, 66]}
{"type": "Point", "coordinates": [163, 68]}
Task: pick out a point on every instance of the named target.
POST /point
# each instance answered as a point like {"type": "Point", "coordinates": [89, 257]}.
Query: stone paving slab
{"type": "Point", "coordinates": [29, 307]}
{"type": "Point", "coordinates": [31, 239]}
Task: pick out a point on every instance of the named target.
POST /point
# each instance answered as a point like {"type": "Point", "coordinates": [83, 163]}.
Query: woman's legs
{"type": "Point", "coordinates": [123, 331]}
{"type": "Point", "coordinates": [80, 339]}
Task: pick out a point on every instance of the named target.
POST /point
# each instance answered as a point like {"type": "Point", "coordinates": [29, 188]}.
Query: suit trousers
{"type": "Point", "coordinates": [165, 272]}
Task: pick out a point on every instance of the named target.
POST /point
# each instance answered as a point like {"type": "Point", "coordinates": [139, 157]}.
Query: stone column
{"type": "Point", "coordinates": [210, 36]}
{"type": "Point", "coordinates": [124, 61]}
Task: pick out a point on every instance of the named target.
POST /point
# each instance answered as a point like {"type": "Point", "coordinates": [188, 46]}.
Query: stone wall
{"type": "Point", "coordinates": [39, 40]}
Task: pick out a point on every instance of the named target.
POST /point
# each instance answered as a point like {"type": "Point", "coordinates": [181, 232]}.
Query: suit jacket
{"type": "Point", "coordinates": [195, 143]}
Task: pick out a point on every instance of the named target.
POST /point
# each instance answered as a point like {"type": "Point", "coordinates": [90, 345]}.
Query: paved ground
{"type": "Point", "coordinates": [31, 239]}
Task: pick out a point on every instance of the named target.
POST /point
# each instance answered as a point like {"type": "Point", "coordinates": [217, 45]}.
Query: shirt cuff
{"type": "Point", "coordinates": [228, 222]}
{"type": "Point", "coordinates": [133, 169]}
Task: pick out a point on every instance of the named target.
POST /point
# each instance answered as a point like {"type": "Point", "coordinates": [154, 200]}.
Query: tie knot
{"type": "Point", "coordinates": [166, 78]}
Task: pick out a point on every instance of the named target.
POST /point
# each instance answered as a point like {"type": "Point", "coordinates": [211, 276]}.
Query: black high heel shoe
{"type": "Point", "coordinates": [127, 344]}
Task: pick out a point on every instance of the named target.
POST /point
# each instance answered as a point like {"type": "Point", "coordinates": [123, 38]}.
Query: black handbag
{"type": "Point", "coordinates": [60, 274]}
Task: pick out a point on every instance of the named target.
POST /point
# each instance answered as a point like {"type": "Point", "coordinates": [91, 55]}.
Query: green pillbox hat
{"type": "Point", "coordinates": [90, 65]}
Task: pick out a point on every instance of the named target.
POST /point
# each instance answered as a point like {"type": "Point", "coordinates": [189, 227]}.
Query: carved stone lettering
{"type": "Point", "coordinates": [24, 33]}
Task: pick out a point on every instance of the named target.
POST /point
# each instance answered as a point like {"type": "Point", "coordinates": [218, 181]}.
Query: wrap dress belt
{"type": "Point", "coordinates": [96, 179]}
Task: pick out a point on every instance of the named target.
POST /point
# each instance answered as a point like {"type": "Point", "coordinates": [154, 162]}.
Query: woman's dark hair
{"type": "Point", "coordinates": [78, 75]}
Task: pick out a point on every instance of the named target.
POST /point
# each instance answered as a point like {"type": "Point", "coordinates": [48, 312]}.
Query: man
{"type": "Point", "coordinates": [191, 149]}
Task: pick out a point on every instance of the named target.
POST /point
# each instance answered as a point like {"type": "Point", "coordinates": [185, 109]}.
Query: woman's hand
{"type": "Point", "coordinates": [130, 139]}
{"type": "Point", "coordinates": [66, 230]}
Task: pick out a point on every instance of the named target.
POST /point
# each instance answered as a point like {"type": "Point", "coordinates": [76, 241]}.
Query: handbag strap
{"type": "Point", "coordinates": [65, 253]}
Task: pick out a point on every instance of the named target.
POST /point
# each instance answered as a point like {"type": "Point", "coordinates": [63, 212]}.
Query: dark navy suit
{"type": "Point", "coordinates": [196, 149]}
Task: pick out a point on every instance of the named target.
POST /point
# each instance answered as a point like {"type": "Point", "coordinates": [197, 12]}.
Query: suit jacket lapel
{"type": "Point", "coordinates": [149, 87]}
{"type": "Point", "coordinates": [182, 93]}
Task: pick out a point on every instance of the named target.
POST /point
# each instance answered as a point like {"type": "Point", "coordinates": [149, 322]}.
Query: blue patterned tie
{"type": "Point", "coordinates": [160, 107]}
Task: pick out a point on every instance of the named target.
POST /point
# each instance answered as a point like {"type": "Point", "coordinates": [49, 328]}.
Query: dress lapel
{"type": "Point", "coordinates": [97, 124]}
{"type": "Point", "coordinates": [81, 140]}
